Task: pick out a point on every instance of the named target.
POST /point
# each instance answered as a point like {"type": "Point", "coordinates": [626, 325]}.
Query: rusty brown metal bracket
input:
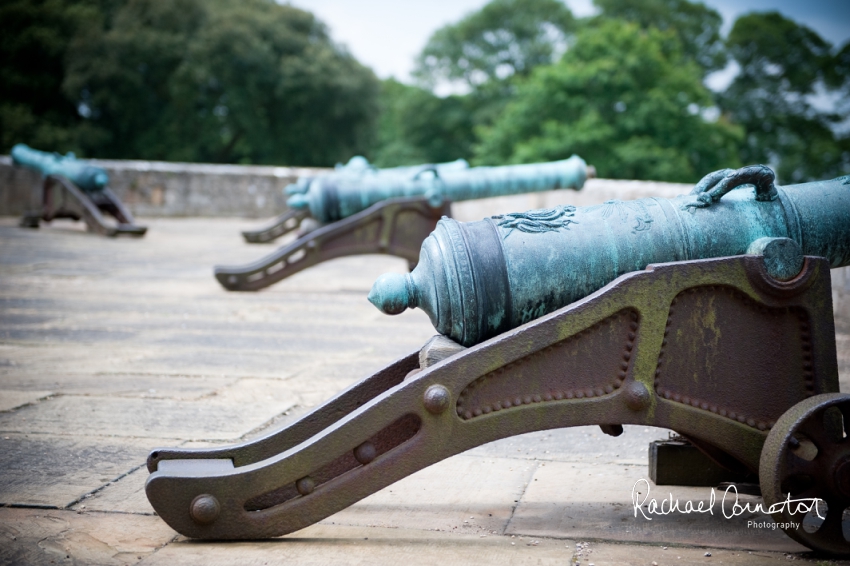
{"type": "Point", "coordinates": [716, 350]}
{"type": "Point", "coordinates": [394, 226]}
{"type": "Point", "coordinates": [62, 199]}
{"type": "Point", "coordinates": [277, 227]}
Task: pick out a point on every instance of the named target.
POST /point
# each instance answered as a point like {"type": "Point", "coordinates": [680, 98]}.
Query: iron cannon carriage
{"type": "Point", "coordinates": [73, 188]}
{"type": "Point", "coordinates": [361, 210]}
{"type": "Point", "coordinates": [730, 343]}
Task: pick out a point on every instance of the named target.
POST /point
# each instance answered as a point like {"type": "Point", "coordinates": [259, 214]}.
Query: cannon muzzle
{"type": "Point", "coordinates": [86, 176]}
{"type": "Point", "coordinates": [479, 279]}
{"type": "Point", "coordinates": [336, 196]}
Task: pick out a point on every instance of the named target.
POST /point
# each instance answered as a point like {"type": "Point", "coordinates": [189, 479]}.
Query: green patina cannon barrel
{"type": "Point", "coordinates": [333, 197]}
{"type": "Point", "coordinates": [88, 177]}
{"type": "Point", "coordinates": [359, 167]}
{"type": "Point", "coordinates": [479, 279]}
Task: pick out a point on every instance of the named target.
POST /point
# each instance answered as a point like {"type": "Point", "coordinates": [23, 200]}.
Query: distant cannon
{"type": "Point", "coordinates": [730, 342]}
{"type": "Point", "coordinates": [357, 168]}
{"type": "Point", "coordinates": [89, 178]}
{"type": "Point", "coordinates": [75, 189]}
{"type": "Point", "coordinates": [389, 211]}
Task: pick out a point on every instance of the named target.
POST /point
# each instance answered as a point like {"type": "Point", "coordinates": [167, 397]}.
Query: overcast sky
{"type": "Point", "coordinates": [387, 34]}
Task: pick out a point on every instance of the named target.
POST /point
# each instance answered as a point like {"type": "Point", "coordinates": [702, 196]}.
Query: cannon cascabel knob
{"type": "Point", "coordinates": [101, 179]}
{"type": "Point", "coordinates": [476, 280]}
{"type": "Point", "coordinates": [391, 293]}
{"type": "Point", "coordinates": [298, 200]}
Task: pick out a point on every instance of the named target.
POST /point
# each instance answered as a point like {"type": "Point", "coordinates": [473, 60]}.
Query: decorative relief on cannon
{"type": "Point", "coordinates": [537, 221]}
{"type": "Point", "coordinates": [626, 211]}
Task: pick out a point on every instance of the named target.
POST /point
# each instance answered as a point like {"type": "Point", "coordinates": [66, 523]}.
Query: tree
{"type": "Point", "coordinates": [34, 36]}
{"type": "Point", "coordinates": [696, 26]}
{"type": "Point", "coordinates": [839, 71]}
{"type": "Point", "coordinates": [627, 100]}
{"type": "Point", "coordinates": [484, 53]}
{"type": "Point", "coordinates": [504, 39]}
{"type": "Point", "coordinates": [838, 78]}
{"type": "Point", "coordinates": [782, 65]}
{"type": "Point", "coordinates": [417, 126]}
{"type": "Point", "coordinates": [196, 80]}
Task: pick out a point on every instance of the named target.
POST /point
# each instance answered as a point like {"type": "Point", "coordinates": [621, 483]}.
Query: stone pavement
{"type": "Point", "coordinates": [110, 347]}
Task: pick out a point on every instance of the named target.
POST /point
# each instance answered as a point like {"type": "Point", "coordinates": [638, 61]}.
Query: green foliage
{"type": "Point", "coordinates": [486, 52]}
{"type": "Point", "coordinates": [782, 64]}
{"type": "Point", "coordinates": [259, 82]}
{"type": "Point", "coordinates": [503, 39]}
{"type": "Point", "coordinates": [418, 127]}
{"type": "Point", "coordinates": [627, 100]}
{"type": "Point", "coordinates": [695, 25]}
{"type": "Point", "coordinates": [195, 80]}
{"type": "Point", "coordinates": [34, 35]}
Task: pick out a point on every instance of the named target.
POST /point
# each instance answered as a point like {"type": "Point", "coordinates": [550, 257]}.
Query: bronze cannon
{"type": "Point", "coordinates": [75, 189]}
{"type": "Point", "coordinates": [359, 210]}
{"type": "Point", "coordinates": [728, 339]}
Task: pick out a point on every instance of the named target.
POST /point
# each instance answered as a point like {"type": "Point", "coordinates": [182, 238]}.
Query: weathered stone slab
{"type": "Point", "coordinates": [571, 500]}
{"type": "Point", "coordinates": [178, 319]}
{"type": "Point", "coordinates": [11, 399]}
{"type": "Point", "coordinates": [58, 470]}
{"type": "Point", "coordinates": [125, 384]}
{"type": "Point", "coordinates": [607, 554]}
{"type": "Point", "coordinates": [355, 546]}
{"type": "Point", "coordinates": [229, 414]}
{"type": "Point", "coordinates": [125, 495]}
{"type": "Point", "coordinates": [41, 536]}
{"type": "Point", "coordinates": [460, 495]}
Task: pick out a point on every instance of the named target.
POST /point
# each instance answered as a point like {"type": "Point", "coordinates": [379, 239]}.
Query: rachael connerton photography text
{"type": "Point", "coordinates": [729, 504]}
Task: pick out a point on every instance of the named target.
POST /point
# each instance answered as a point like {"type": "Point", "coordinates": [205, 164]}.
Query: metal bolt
{"type": "Point", "coordinates": [783, 258]}
{"type": "Point", "coordinates": [365, 453]}
{"type": "Point", "coordinates": [305, 485]}
{"type": "Point", "coordinates": [436, 399]}
{"type": "Point", "coordinates": [637, 397]}
{"type": "Point", "coordinates": [204, 509]}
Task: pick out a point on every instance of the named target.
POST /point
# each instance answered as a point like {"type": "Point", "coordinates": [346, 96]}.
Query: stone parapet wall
{"type": "Point", "coordinates": [157, 189]}
{"type": "Point", "coordinates": [163, 189]}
